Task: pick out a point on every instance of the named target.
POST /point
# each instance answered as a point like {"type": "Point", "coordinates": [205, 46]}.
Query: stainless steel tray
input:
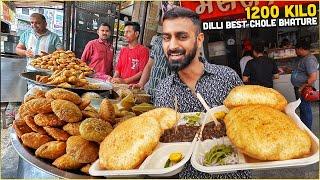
{"type": "Point", "coordinates": [31, 77]}
{"type": "Point", "coordinates": [42, 164]}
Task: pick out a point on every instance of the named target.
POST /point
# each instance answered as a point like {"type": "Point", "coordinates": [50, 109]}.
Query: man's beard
{"type": "Point", "coordinates": [176, 65]}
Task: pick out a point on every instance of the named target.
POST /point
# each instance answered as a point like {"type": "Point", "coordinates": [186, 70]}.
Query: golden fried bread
{"type": "Point", "coordinates": [107, 111]}
{"type": "Point", "coordinates": [265, 133]}
{"type": "Point", "coordinates": [34, 106]}
{"type": "Point", "coordinates": [30, 122]}
{"type": "Point", "coordinates": [167, 117]}
{"type": "Point", "coordinates": [84, 103]}
{"type": "Point", "coordinates": [21, 127]}
{"type": "Point", "coordinates": [72, 128]}
{"type": "Point", "coordinates": [66, 110]}
{"type": "Point", "coordinates": [57, 134]}
{"type": "Point", "coordinates": [93, 129]}
{"type": "Point", "coordinates": [34, 140]}
{"type": "Point", "coordinates": [48, 120]}
{"type": "Point", "coordinates": [254, 94]}
{"type": "Point", "coordinates": [82, 150]}
{"type": "Point", "coordinates": [129, 143]}
{"type": "Point", "coordinates": [59, 93]}
{"type": "Point", "coordinates": [51, 150]}
{"type": "Point", "coordinates": [67, 162]}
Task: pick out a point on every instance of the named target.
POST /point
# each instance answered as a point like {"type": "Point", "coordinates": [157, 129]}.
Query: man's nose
{"type": "Point", "coordinates": [173, 44]}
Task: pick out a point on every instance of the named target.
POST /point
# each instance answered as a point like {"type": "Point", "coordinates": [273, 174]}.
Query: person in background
{"type": "Point", "coordinates": [132, 59]}
{"type": "Point", "coordinates": [261, 70]}
{"type": "Point", "coordinates": [305, 74]}
{"type": "Point", "coordinates": [182, 43]}
{"type": "Point", "coordinates": [285, 43]}
{"type": "Point", "coordinates": [37, 41]}
{"type": "Point", "coordinates": [156, 69]}
{"type": "Point", "coordinates": [247, 55]}
{"type": "Point", "coordinates": [98, 53]}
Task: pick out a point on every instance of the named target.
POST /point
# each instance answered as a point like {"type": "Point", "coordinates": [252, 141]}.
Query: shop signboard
{"type": "Point", "coordinates": [213, 10]}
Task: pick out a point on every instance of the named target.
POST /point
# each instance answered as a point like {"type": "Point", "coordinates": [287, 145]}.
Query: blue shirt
{"type": "Point", "coordinates": [48, 42]}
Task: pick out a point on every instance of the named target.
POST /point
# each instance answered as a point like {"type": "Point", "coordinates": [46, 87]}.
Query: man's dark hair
{"type": "Point", "coordinates": [258, 46]}
{"type": "Point", "coordinates": [180, 12]}
{"type": "Point", "coordinates": [105, 24]}
{"type": "Point", "coordinates": [135, 25]}
{"type": "Point", "coordinates": [303, 43]}
{"type": "Point", "coordinates": [39, 15]}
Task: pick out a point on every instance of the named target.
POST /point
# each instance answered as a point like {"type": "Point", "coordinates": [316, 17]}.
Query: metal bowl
{"type": "Point", "coordinates": [44, 165]}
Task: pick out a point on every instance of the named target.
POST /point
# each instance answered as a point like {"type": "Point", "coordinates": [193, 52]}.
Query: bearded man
{"type": "Point", "coordinates": [182, 43]}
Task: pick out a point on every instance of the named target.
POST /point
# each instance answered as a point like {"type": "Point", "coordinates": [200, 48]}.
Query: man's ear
{"type": "Point", "coordinates": [200, 39]}
{"type": "Point", "coordinates": [137, 33]}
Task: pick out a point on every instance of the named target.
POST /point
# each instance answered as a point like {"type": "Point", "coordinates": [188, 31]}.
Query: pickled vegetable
{"type": "Point", "coordinates": [217, 155]}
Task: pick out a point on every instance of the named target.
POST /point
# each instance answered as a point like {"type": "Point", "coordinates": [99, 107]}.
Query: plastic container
{"type": "Point", "coordinates": [250, 163]}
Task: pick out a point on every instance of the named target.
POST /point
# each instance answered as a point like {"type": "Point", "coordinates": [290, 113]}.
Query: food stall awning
{"type": "Point", "coordinates": [231, 10]}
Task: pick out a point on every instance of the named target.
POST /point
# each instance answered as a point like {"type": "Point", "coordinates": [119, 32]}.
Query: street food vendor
{"type": "Point", "coordinates": [182, 42]}
{"type": "Point", "coordinates": [38, 40]}
{"type": "Point", "coordinates": [98, 53]}
{"type": "Point", "coordinates": [132, 59]}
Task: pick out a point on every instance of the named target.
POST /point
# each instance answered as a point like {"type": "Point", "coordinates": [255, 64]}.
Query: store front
{"type": "Point", "coordinates": [224, 44]}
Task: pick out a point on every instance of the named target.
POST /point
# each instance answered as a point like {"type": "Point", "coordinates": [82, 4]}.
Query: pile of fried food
{"type": "Point", "coordinates": [61, 60]}
{"type": "Point", "coordinates": [67, 79]}
{"type": "Point", "coordinates": [68, 132]}
{"type": "Point", "coordinates": [258, 127]}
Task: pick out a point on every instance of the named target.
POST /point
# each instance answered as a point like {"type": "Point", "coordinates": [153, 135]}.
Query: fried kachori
{"type": "Point", "coordinates": [57, 134]}
{"type": "Point", "coordinates": [254, 94]}
{"type": "Point", "coordinates": [67, 162]}
{"type": "Point", "coordinates": [59, 93]}
{"type": "Point", "coordinates": [82, 150]}
{"type": "Point", "coordinates": [93, 129]}
{"type": "Point", "coordinates": [34, 140]}
{"type": "Point", "coordinates": [265, 133]}
{"type": "Point", "coordinates": [48, 120]}
{"type": "Point", "coordinates": [30, 122]}
{"type": "Point", "coordinates": [51, 150]}
{"type": "Point", "coordinates": [66, 110]}
{"type": "Point", "coordinates": [72, 128]}
{"type": "Point", "coordinates": [129, 143]}
{"type": "Point", "coordinates": [34, 106]}
{"type": "Point", "coordinates": [21, 127]}
{"type": "Point", "coordinates": [107, 111]}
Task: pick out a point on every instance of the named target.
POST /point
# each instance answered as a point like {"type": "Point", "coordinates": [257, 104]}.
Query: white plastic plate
{"type": "Point", "coordinates": [251, 163]}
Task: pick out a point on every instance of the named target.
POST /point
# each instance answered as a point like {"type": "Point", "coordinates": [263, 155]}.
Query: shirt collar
{"type": "Point", "coordinates": [104, 42]}
{"type": "Point", "coordinates": [45, 34]}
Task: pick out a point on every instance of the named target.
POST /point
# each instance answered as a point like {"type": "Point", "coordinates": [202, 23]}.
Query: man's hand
{"type": "Point", "coordinates": [29, 53]}
{"type": "Point", "coordinates": [118, 80]}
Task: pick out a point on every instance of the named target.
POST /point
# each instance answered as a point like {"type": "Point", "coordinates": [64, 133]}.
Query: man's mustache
{"type": "Point", "coordinates": [176, 51]}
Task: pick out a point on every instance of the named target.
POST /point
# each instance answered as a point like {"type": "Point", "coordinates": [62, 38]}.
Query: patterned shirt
{"type": "Point", "coordinates": [160, 68]}
{"type": "Point", "coordinates": [48, 42]}
{"type": "Point", "coordinates": [214, 85]}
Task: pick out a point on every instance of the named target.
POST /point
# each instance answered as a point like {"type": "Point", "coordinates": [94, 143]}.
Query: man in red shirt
{"type": "Point", "coordinates": [133, 58]}
{"type": "Point", "coordinates": [98, 53]}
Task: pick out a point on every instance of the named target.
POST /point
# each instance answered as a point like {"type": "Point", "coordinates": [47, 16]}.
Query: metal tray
{"type": "Point", "coordinates": [31, 77]}
{"type": "Point", "coordinates": [42, 164]}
